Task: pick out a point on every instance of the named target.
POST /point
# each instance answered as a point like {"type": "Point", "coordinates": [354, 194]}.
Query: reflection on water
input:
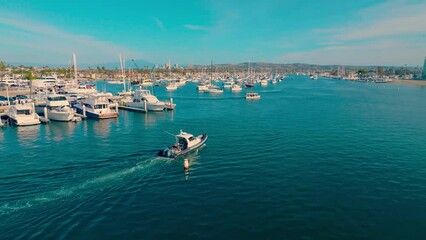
{"type": "Point", "coordinates": [102, 127]}
{"type": "Point", "coordinates": [153, 117]}
{"type": "Point", "coordinates": [26, 135]}
{"type": "Point", "coordinates": [57, 131]}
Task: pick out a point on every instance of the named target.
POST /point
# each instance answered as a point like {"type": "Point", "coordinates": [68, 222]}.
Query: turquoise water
{"type": "Point", "coordinates": [322, 159]}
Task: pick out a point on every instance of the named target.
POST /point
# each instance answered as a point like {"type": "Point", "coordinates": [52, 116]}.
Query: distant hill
{"type": "Point", "coordinates": [288, 67]}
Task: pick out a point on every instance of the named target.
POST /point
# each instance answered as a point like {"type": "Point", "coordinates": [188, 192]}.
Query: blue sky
{"type": "Point", "coordinates": [362, 32]}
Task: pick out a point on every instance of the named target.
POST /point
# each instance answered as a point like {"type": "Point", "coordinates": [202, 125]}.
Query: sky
{"type": "Point", "coordinates": [362, 32]}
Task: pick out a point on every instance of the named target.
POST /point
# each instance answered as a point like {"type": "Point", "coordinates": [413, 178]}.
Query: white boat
{"type": "Point", "coordinates": [115, 82]}
{"type": "Point", "coordinates": [171, 86]}
{"type": "Point", "coordinates": [142, 97]}
{"type": "Point", "coordinates": [227, 85]}
{"type": "Point", "coordinates": [252, 95]}
{"type": "Point", "coordinates": [214, 89]}
{"type": "Point", "coordinates": [202, 87]}
{"type": "Point", "coordinates": [236, 88]}
{"type": "Point", "coordinates": [58, 108]}
{"type": "Point", "coordinates": [185, 143]}
{"type": "Point", "coordinates": [264, 83]}
{"type": "Point", "coordinates": [22, 115]}
{"type": "Point", "coordinates": [146, 83]}
{"type": "Point", "coordinates": [274, 81]}
{"type": "Point", "coordinates": [44, 82]}
{"type": "Point", "coordinates": [97, 106]}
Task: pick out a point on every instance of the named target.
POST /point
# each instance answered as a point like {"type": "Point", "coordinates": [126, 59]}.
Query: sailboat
{"type": "Point", "coordinates": [74, 88]}
{"type": "Point", "coordinates": [212, 88]}
{"type": "Point", "coordinates": [127, 92]}
{"type": "Point", "coordinates": [248, 83]}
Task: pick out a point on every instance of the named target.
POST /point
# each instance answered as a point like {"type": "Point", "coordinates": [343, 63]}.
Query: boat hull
{"type": "Point", "coordinates": [61, 116]}
{"type": "Point", "coordinates": [97, 115]}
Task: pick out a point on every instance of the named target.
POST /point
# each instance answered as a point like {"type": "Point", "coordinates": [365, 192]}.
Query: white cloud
{"type": "Point", "coordinates": [48, 44]}
{"type": "Point", "coordinates": [391, 33]}
{"type": "Point", "coordinates": [159, 23]}
{"type": "Point", "coordinates": [381, 52]}
{"type": "Point", "coordinates": [196, 27]}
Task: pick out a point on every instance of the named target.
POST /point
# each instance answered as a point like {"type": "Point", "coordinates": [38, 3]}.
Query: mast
{"type": "Point", "coordinates": [122, 71]}
{"type": "Point", "coordinates": [7, 91]}
{"type": "Point", "coordinates": [211, 71]}
{"type": "Point", "coordinates": [74, 62]}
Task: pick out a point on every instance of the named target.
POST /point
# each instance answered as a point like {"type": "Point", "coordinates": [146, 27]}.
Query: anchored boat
{"type": "Point", "coordinates": [185, 143]}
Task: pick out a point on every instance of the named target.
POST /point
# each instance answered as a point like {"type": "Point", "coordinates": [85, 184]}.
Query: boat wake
{"type": "Point", "coordinates": [80, 188]}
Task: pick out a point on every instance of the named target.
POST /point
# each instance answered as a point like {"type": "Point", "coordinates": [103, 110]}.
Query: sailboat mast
{"type": "Point", "coordinates": [74, 62]}
{"type": "Point", "coordinates": [122, 71]}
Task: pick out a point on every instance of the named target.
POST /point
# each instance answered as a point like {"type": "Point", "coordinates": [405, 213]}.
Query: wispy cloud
{"type": "Point", "coordinates": [196, 27]}
{"type": "Point", "coordinates": [391, 33]}
{"type": "Point", "coordinates": [159, 23]}
{"type": "Point", "coordinates": [44, 41]}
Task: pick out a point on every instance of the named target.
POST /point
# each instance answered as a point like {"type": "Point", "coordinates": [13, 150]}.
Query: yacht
{"type": "Point", "coordinates": [97, 106]}
{"type": "Point", "coordinates": [22, 115]}
{"type": "Point", "coordinates": [44, 82]}
{"type": "Point", "coordinates": [227, 84]}
{"type": "Point", "coordinates": [185, 143]}
{"type": "Point", "coordinates": [142, 97]}
{"type": "Point", "coordinates": [214, 89]}
{"type": "Point", "coordinates": [236, 88]}
{"type": "Point", "coordinates": [202, 87]}
{"type": "Point", "coordinates": [171, 86]}
{"type": "Point", "coordinates": [58, 108]}
{"type": "Point", "coordinates": [264, 83]}
{"type": "Point", "coordinates": [252, 95]}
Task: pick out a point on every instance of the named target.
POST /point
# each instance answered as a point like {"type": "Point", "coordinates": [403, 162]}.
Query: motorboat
{"type": "Point", "coordinates": [97, 106]}
{"type": "Point", "coordinates": [185, 143]}
{"type": "Point", "coordinates": [143, 98]}
{"type": "Point", "coordinates": [214, 89]}
{"type": "Point", "coordinates": [249, 84]}
{"type": "Point", "coordinates": [227, 84]}
{"type": "Point", "coordinates": [44, 82]}
{"type": "Point", "coordinates": [236, 88]}
{"type": "Point", "coordinates": [202, 87]}
{"type": "Point", "coordinates": [22, 115]}
{"type": "Point", "coordinates": [58, 108]}
{"type": "Point", "coordinates": [264, 83]}
{"type": "Point", "coordinates": [252, 95]}
{"type": "Point", "coordinates": [171, 86]}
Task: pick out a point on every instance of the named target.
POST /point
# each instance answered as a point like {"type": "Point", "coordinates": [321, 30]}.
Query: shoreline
{"type": "Point", "coordinates": [410, 82]}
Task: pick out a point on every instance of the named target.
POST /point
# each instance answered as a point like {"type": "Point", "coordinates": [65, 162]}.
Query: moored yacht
{"type": "Point", "coordinates": [143, 98]}
{"type": "Point", "coordinates": [58, 108]}
{"type": "Point", "coordinates": [236, 88]}
{"type": "Point", "coordinates": [97, 106]}
{"type": "Point", "coordinates": [22, 115]}
{"type": "Point", "coordinates": [171, 86]}
{"type": "Point", "coordinates": [252, 96]}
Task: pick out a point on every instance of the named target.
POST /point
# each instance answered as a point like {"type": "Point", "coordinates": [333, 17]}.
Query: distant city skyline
{"type": "Point", "coordinates": [365, 32]}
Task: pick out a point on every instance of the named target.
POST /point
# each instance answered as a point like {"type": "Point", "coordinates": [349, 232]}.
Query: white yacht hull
{"type": "Point", "coordinates": [60, 116]}
{"type": "Point", "coordinates": [156, 107]}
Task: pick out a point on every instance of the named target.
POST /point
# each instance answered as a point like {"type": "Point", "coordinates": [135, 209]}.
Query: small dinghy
{"type": "Point", "coordinates": [185, 143]}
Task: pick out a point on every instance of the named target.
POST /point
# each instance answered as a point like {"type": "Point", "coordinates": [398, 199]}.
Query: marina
{"type": "Point", "coordinates": [247, 141]}
{"type": "Point", "coordinates": [213, 120]}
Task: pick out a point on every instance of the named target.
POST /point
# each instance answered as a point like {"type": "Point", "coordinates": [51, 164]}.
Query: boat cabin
{"type": "Point", "coordinates": [185, 140]}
